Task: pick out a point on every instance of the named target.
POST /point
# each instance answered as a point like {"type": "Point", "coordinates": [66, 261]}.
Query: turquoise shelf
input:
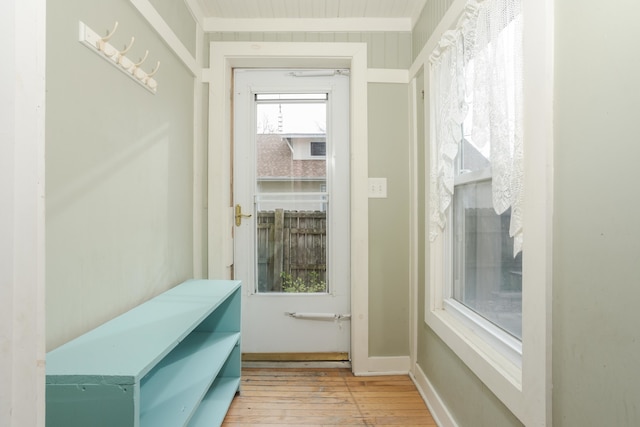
{"type": "Point", "coordinates": [171, 392]}
{"type": "Point", "coordinates": [152, 366]}
{"type": "Point", "coordinates": [213, 408]}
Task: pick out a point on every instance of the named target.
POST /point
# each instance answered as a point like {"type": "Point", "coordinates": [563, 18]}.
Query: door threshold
{"type": "Point", "coordinates": [332, 356]}
{"type": "Point", "coordinates": [296, 360]}
{"type": "Point", "coordinates": [295, 365]}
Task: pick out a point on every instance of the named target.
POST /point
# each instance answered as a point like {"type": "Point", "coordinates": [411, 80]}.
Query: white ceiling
{"type": "Point", "coordinates": [306, 15]}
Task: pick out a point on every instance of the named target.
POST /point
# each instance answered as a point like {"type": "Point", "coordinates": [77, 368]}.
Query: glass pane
{"type": "Point", "coordinates": [487, 277]}
{"type": "Point", "coordinates": [291, 196]}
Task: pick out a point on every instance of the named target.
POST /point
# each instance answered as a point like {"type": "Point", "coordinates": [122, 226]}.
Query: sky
{"type": "Point", "coordinates": [296, 117]}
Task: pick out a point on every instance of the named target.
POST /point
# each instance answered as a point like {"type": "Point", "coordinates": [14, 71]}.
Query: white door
{"type": "Point", "coordinates": [291, 175]}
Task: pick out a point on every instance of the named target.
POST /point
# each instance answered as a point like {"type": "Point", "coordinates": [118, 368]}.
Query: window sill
{"type": "Point", "coordinates": [503, 343]}
{"type": "Point", "coordinates": [471, 344]}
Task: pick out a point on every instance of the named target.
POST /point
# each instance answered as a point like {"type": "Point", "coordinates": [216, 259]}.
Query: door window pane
{"type": "Point", "coordinates": [291, 193]}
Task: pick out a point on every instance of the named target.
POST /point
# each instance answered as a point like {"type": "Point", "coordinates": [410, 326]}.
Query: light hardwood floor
{"type": "Point", "coordinates": [325, 397]}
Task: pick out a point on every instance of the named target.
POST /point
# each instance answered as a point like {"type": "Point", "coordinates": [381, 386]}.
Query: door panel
{"type": "Point", "coordinates": [291, 176]}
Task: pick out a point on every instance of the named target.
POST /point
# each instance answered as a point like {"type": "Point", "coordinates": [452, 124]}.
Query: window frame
{"type": "Point", "coordinates": [523, 388]}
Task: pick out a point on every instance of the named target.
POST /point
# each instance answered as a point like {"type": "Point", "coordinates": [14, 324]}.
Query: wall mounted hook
{"type": "Point", "coordinates": [125, 63]}
{"type": "Point", "coordinates": [116, 57]}
{"type": "Point", "coordinates": [155, 70]}
{"type": "Point", "coordinates": [108, 50]}
{"type": "Point", "coordinates": [144, 58]}
{"type": "Point", "coordinates": [127, 48]}
{"type": "Point", "coordinates": [105, 47]}
{"type": "Point", "coordinates": [139, 72]}
{"type": "Point", "coordinates": [110, 33]}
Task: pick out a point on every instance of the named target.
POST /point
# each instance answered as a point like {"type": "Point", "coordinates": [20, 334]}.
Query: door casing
{"type": "Point", "coordinates": [224, 56]}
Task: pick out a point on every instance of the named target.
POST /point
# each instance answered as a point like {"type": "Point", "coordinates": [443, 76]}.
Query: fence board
{"type": "Point", "coordinates": [293, 243]}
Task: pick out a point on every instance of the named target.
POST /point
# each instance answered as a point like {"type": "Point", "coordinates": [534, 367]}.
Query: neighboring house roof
{"type": "Point", "coordinates": [302, 135]}
{"type": "Point", "coordinates": [275, 158]}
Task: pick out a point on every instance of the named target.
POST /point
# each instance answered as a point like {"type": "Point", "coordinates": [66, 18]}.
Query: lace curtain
{"type": "Point", "coordinates": [477, 68]}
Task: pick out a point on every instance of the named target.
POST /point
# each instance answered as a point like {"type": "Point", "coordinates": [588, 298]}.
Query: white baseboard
{"type": "Point", "coordinates": [397, 365]}
{"type": "Point", "coordinates": [438, 409]}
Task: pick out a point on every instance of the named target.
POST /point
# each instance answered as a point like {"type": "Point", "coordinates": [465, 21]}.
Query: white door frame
{"type": "Point", "coordinates": [22, 213]}
{"type": "Point", "coordinates": [224, 56]}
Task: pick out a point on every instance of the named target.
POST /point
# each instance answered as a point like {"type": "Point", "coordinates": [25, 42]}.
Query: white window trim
{"type": "Point", "coordinates": [525, 390]}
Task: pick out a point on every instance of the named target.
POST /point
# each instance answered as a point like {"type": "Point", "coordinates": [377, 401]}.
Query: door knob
{"type": "Point", "coordinates": [240, 215]}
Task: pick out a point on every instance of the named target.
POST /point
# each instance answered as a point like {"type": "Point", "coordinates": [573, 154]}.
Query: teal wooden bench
{"type": "Point", "coordinates": [172, 361]}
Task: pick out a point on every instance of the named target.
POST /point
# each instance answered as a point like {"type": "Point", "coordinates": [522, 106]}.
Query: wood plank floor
{"type": "Point", "coordinates": [325, 397]}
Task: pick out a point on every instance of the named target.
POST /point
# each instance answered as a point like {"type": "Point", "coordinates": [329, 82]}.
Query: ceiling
{"type": "Point", "coordinates": [306, 15]}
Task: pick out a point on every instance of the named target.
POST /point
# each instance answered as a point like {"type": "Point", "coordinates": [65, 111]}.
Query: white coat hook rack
{"type": "Point", "coordinates": [118, 58]}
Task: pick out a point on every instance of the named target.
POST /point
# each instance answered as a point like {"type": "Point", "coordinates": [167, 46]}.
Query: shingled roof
{"type": "Point", "coordinates": [275, 159]}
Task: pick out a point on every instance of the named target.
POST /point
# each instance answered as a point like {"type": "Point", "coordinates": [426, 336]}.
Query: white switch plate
{"type": "Point", "coordinates": [377, 188]}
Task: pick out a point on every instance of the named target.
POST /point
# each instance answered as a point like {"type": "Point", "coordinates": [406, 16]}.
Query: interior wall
{"type": "Point", "coordinates": [596, 340]}
{"type": "Point", "coordinates": [119, 171]}
{"type": "Point", "coordinates": [388, 109]}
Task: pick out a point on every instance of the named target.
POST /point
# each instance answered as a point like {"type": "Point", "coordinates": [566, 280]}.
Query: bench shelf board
{"type": "Point", "coordinates": [174, 388]}
{"type": "Point", "coordinates": [213, 408]}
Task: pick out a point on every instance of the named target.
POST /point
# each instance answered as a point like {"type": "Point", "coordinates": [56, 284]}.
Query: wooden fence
{"type": "Point", "coordinates": [291, 244]}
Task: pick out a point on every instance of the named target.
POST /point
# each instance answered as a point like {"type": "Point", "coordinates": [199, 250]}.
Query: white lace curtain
{"type": "Point", "coordinates": [477, 67]}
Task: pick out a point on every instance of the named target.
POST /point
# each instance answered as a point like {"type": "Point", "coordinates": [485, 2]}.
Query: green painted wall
{"type": "Point", "coordinates": [596, 285]}
{"type": "Point", "coordinates": [388, 109]}
{"type": "Point", "coordinates": [118, 170]}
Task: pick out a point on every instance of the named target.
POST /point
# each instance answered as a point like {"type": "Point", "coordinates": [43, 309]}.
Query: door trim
{"type": "Point", "coordinates": [224, 56]}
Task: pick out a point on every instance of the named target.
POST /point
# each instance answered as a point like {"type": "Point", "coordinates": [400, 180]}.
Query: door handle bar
{"type": "Point", "coordinates": [319, 316]}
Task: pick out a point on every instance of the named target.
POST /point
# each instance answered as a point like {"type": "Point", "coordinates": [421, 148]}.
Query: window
{"type": "Point", "coordinates": [478, 167]}
{"type": "Point", "coordinates": [486, 276]}
{"type": "Point", "coordinates": [487, 294]}
{"type": "Point", "coordinates": [318, 148]}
